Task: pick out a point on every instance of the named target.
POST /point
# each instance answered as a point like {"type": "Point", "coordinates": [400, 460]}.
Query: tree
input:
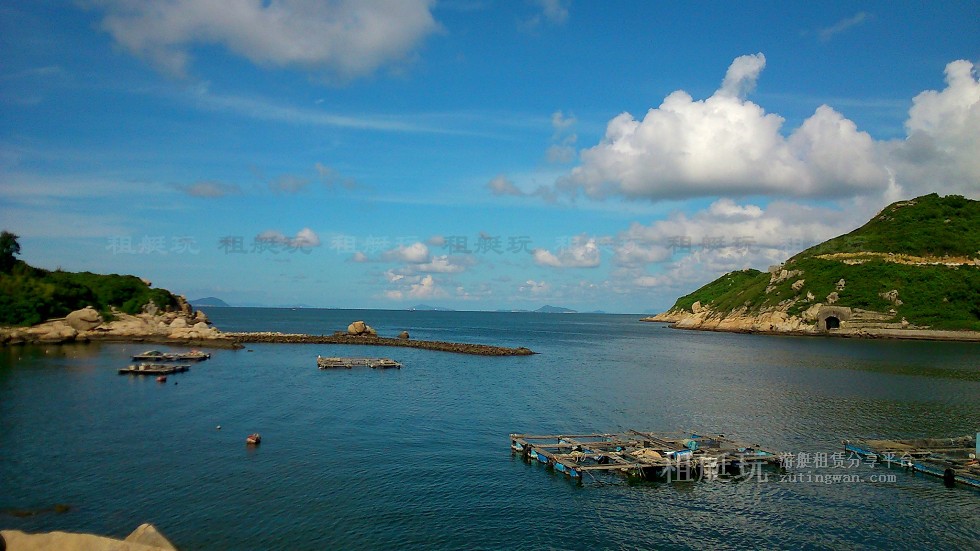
{"type": "Point", "coordinates": [8, 248]}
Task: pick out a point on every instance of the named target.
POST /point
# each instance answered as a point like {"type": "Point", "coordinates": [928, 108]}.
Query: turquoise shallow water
{"type": "Point", "coordinates": [419, 457]}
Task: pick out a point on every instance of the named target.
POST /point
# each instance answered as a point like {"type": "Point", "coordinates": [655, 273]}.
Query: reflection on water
{"type": "Point", "coordinates": [419, 457]}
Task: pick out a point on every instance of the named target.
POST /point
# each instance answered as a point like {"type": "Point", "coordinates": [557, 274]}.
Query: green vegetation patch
{"type": "Point", "coordinates": [31, 295]}
{"type": "Point", "coordinates": [728, 292]}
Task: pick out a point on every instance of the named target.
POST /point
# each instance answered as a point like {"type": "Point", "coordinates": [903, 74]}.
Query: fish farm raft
{"type": "Point", "coordinates": [952, 459]}
{"type": "Point", "coordinates": [644, 455]}
{"type": "Point", "coordinates": [347, 363]}
{"type": "Point", "coordinates": [153, 369]}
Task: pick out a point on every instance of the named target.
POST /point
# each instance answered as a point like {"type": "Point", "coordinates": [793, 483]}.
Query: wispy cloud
{"type": "Point", "coordinates": [827, 33]}
{"type": "Point", "coordinates": [554, 12]}
{"type": "Point", "coordinates": [209, 189]}
{"type": "Point", "coordinates": [262, 109]}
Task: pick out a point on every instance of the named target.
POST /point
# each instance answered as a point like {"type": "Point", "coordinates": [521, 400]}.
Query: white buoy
{"type": "Point", "coordinates": [218, 427]}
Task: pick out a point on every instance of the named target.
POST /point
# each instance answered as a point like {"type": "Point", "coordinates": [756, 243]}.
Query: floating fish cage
{"type": "Point", "coordinates": [324, 362]}
{"type": "Point", "coordinates": [952, 459]}
{"type": "Point", "coordinates": [644, 455]}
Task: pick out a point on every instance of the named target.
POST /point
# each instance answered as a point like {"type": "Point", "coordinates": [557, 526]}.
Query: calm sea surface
{"type": "Point", "coordinates": [420, 458]}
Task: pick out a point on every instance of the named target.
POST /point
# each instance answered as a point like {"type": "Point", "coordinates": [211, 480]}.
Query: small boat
{"type": "Point", "coordinates": [162, 379]}
{"type": "Point", "coordinates": [253, 439]}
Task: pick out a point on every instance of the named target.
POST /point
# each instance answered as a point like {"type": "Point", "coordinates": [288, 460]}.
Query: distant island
{"type": "Point", "coordinates": [211, 302]}
{"type": "Point", "coordinates": [548, 309]}
{"type": "Point", "coordinates": [912, 271]}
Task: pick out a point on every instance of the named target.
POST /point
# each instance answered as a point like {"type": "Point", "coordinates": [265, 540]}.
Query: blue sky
{"type": "Point", "coordinates": [475, 155]}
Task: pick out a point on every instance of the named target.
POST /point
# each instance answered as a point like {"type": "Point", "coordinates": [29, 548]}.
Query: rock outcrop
{"type": "Point", "coordinates": [182, 325]}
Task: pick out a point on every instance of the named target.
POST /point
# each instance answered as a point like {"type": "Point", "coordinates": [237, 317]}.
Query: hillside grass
{"type": "Point", "coordinates": [925, 226]}
{"type": "Point", "coordinates": [31, 295]}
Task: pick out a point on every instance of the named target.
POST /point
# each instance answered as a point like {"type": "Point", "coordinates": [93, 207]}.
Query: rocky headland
{"type": "Point", "coordinates": [911, 272]}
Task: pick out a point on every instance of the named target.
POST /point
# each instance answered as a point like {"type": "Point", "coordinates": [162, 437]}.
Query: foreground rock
{"type": "Point", "coordinates": [144, 538]}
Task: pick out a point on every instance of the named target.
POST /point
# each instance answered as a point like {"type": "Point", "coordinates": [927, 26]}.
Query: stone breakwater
{"type": "Point", "coordinates": [370, 340]}
{"type": "Point", "coordinates": [187, 327]}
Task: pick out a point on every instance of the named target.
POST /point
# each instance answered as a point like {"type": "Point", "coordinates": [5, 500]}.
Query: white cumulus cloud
{"type": "Point", "coordinates": [727, 145]}
{"type": "Point", "coordinates": [416, 253]}
{"type": "Point", "coordinates": [343, 37]}
{"type": "Point", "coordinates": [582, 253]}
{"type": "Point", "coordinates": [942, 150]}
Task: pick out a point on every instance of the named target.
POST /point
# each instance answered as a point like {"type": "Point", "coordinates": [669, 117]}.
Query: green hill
{"type": "Point", "coordinates": [31, 295]}
{"type": "Point", "coordinates": [917, 260]}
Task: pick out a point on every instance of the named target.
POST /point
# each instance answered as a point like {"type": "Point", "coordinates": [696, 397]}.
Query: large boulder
{"type": "Point", "coordinates": [86, 319]}
{"type": "Point", "coordinates": [179, 323]}
{"type": "Point", "coordinates": [200, 316]}
{"type": "Point", "coordinates": [403, 335]}
{"type": "Point", "coordinates": [357, 328]}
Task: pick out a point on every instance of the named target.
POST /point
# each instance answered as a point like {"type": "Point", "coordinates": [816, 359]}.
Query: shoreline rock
{"type": "Point", "coordinates": [184, 326]}
{"type": "Point", "coordinates": [779, 323]}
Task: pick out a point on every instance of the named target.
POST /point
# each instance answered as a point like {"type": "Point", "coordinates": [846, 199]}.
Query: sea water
{"type": "Point", "coordinates": [419, 457]}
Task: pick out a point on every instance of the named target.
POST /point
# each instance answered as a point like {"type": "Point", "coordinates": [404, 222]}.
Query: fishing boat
{"type": "Point", "coordinates": [253, 439]}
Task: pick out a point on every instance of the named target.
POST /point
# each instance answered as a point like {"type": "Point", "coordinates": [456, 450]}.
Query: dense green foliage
{"type": "Point", "coordinates": [31, 295]}
{"type": "Point", "coordinates": [933, 295]}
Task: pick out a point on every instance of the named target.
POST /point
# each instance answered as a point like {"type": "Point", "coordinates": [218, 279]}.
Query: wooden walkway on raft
{"type": "Point", "coordinates": [644, 455]}
{"type": "Point", "coordinates": [946, 458]}
{"type": "Point", "coordinates": [347, 363]}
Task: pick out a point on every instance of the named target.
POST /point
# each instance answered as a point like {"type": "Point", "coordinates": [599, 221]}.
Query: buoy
{"type": "Point", "coordinates": [218, 427]}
